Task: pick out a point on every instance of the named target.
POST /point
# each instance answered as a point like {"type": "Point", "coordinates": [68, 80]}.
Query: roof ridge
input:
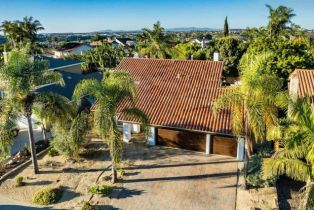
{"type": "Point", "coordinates": [168, 59]}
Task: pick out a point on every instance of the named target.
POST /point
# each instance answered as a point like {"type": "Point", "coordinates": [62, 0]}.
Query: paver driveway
{"type": "Point", "coordinates": [167, 178]}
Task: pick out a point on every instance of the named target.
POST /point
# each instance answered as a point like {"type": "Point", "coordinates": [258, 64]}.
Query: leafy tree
{"type": "Point", "coordinates": [297, 157]}
{"type": "Point", "coordinates": [226, 27]}
{"type": "Point", "coordinates": [7, 124]}
{"type": "Point", "coordinates": [109, 93]}
{"type": "Point", "coordinates": [287, 54]}
{"type": "Point", "coordinates": [98, 37]}
{"type": "Point", "coordinates": [22, 75]}
{"type": "Point", "coordinates": [52, 108]}
{"type": "Point", "coordinates": [154, 43]}
{"type": "Point", "coordinates": [287, 43]}
{"type": "Point", "coordinates": [231, 51]}
{"type": "Point", "coordinates": [72, 135]}
{"type": "Point", "coordinates": [254, 104]}
{"type": "Point", "coordinates": [187, 50]}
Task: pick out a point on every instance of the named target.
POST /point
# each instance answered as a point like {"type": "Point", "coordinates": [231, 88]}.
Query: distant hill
{"type": "Point", "coordinates": [180, 29]}
{"type": "Point", "coordinates": [189, 29]}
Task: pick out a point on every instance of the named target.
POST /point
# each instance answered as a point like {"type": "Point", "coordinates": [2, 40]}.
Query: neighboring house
{"type": "Point", "coordinates": [203, 42]}
{"type": "Point", "coordinates": [62, 64]}
{"type": "Point", "coordinates": [177, 96]}
{"type": "Point", "coordinates": [71, 48]}
{"type": "Point", "coordinates": [70, 80]}
{"type": "Point", "coordinates": [301, 83]}
{"type": "Point", "coordinates": [126, 42]}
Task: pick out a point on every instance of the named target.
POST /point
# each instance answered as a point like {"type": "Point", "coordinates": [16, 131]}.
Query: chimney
{"type": "Point", "coordinates": [6, 56]}
{"type": "Point", "coordinates": [293, 86]}
{"type": "Point", "coordinates": [192, 57]}
{"type": "Point", "coordinates": [203, 43]}
{"type": "Point", "coordinates": [216, 56]}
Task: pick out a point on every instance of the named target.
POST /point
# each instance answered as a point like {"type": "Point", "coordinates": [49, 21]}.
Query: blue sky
{"type": "Point", "coordinates": [93, 15]}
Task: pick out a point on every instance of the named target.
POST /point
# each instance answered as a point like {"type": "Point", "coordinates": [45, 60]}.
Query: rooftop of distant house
{"type": "Point", "coordinates": [57, 63]}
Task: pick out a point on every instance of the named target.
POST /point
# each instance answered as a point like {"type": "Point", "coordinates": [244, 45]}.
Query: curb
{"type": "Point", "coordinates": [14, 171]}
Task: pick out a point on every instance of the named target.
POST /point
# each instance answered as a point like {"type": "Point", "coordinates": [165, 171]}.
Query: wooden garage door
{"type": "Point", "coordinates": [224, 146]}
{"type": "Point", "coordinates": [181, 139]}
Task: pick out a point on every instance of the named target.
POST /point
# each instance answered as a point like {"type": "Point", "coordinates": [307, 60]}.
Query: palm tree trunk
{"type": "Point", "coordinates": [32, 144]}
{"type": "Point", "coordinates": [307, 200]}
{"type": "Point", "coordinates": [44, 134]}
{"type": "Point", "coordinates": [114, 174]}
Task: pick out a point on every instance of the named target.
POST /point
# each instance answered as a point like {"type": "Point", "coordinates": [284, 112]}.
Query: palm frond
{"type": "Point", "coordinates": [294, 168]}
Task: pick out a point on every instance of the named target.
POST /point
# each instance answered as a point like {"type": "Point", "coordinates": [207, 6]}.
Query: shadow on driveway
{"type": "Point", "coordinates": [178, 165]}
{"type": "Point", "coordinates": [179, 178]}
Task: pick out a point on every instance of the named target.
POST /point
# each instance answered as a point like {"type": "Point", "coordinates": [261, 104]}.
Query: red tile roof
{"type": "Point", "coordinates": [177, 93]}
{"type": "Point", "coordinates": [305, 82]}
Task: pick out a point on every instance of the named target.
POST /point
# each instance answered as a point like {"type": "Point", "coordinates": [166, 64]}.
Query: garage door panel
{"type": "Point", "coordinates": [181, 139]}
{"type": "Point", "coordinates": [224, 146]}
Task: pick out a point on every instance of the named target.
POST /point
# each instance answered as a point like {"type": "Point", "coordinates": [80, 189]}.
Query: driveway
{"type": "Point", "coordinates": [167, 178]}
{"type": "Point", "coordinates": [22, 141]}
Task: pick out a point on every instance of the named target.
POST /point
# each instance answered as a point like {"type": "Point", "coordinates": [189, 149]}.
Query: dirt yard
{"type": "Point", "coordinates": [74, 177]}
{"type": "Point", "coordinates": [187, 179]}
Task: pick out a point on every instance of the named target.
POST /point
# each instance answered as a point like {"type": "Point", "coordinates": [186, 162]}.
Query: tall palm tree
{"type": "Point", "coordinates": [154, 43]}
{"type": "Point", "coordinates": [30, 28]}
{"type": "Point", "coordinates": [19, 32]}
{"type": "Point", "coordinates": [296, 159]}
{"type": "Point", "coordinates": [110, 93]}
{"type": "Point", "coordinates": [279, 19]}
{"type": "Point", "coordinates": [22, 75]}
{"type": "Point", "coordinates": [254, 103]}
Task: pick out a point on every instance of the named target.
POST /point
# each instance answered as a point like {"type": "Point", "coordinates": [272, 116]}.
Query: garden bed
{"type": "Point", "coordinates": [74, 177]}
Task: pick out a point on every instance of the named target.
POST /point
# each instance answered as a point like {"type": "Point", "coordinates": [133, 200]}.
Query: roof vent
{"type": "Point", "coordinates": [178, 76]}
{"type": "Point", "coordinates": [69, 77]}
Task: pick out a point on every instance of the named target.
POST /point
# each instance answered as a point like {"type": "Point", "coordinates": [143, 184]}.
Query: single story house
{"type": "Point", "coordinates": [71, 72]}
{"type": "Point", "coordinates": [71, 48]}
{"type": "Point", "coordinates": [301, 83]}
{"type": "Point", "coordinates": [71, 80]}
{"type": "Point", "coordinates": [62, 64]}
{"type": "Point", "coordinates": [177, 96]}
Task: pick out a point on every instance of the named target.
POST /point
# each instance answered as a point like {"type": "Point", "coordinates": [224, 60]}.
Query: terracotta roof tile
{"type": "Point", "coordinates": [305, 82]}
{"type": "Point", "coordinates": [177, 93]}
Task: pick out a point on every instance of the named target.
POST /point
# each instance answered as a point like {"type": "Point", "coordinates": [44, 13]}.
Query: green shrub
{"type": "Point", "coordinates": [88, 206]}
{"type": "Point", "coordinates": [103, 190]}
{"type": "Point", "coordinates": [47, 195]}
{"type": "Point", "coordinates": [255, 175]}
{"type": "Point", "coordinates": [19, 181]}
{"type": "Point", "coordinates": [53, 152]}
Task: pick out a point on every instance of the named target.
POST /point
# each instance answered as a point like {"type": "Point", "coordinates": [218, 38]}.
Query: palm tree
{"type": "Point", "coordinates": [254, 103]}
{"type": "Point", "coordinates": [104, 56]}
{"type": "Point", "coordinates": [154, 43]}
{"type": "Point", "coordinates": [19, 32]}
{"type": "Point", "coordinates": [109, 93]}
{"type": "Point", "coordinates": [296, 159]}
{"type": "Point", "coordinates": [22, 75]}
{"type": "Point", "coordinates": [51, 108]}
{"type": "Point", "coordinates": [30, 28]}
{"type": "Point", "coordinates": [279, 19]}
